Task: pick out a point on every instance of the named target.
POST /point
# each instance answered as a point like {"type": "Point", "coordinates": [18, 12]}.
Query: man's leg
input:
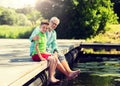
{"type": "Point", "coordinates": [61, 68]}
{"type": "Point", "coordinates": [67, 68]}
{"type": "Point", "coordinates": [64, 63]}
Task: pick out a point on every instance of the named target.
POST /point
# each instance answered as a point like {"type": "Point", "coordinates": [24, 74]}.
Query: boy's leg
{"type": "Point", "coordinates": [52, 68]}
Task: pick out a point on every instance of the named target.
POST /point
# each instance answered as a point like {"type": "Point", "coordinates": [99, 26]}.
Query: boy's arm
{"type": "Point", "coordinates": [38, 52]}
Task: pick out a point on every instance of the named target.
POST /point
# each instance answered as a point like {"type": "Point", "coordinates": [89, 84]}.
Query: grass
{"type": "Point", "coordinates": [15, 31]}
{"type": "Point", "coordinates": [112, 35]}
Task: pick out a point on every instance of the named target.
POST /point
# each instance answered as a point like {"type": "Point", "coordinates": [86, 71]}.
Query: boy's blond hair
{"type": "Point", "coordinates": [45, 21]}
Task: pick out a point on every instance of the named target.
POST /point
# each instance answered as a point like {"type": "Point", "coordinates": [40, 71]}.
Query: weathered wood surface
{"type": "Point", "coordinates": [100, 45]}
{"type": "Point", "coordinates": [16, 66]}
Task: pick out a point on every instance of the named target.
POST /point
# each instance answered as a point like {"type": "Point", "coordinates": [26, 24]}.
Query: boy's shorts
{"type": "Point", "coordinates": [36, 57]}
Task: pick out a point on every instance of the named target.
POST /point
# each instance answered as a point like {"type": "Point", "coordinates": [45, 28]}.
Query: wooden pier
{"type": "Point", "coordinates": [16, 66]}
{"type": "Point", "coordinates": [97, 47]}
{"type": "Point", "coordinates": [106, 46]}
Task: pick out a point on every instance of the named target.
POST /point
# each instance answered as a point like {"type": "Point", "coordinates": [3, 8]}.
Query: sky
{"type": "Point", "coordinates": [17, 3]}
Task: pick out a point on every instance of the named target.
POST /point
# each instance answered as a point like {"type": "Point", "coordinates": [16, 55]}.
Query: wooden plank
{"type": "Point", "coordinates": [37, 82]}
{"type": "Point", "coordinates": [14, 74]}
{"type": "Point", "coordinates": [30, 74]}
{"type": "Point", "coordinates": [100, 45]}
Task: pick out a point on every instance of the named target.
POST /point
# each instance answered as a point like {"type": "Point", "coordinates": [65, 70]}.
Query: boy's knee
{"type": "Point", "coordinates": [51, 58]}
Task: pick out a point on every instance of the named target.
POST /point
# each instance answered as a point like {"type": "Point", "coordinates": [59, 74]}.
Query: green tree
{"type": "Point", "coordinates": [117, 7]}
{"type": "Point", "coordinates": [33, 16]}
{"type": "Point", "coordinates": [79, 18]}
{"type": "Point", "coordinates": [31, 13]}
{"type": "Point", "coordinates": [8, 16]}
{"type": "Point", "coordinates": [22, 20]}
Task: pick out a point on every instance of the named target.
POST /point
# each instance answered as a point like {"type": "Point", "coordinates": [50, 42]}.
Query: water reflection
{"type": "Point", "coordinates": [105, 73]}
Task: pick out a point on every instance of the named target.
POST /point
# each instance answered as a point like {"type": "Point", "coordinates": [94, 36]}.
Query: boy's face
{"type": "Point", "coordinates": [44, 28]}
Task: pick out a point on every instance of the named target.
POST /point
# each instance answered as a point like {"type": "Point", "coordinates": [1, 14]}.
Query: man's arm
{"type": "Point", "coordinates": [34, 33]}
{"type": "Point", "coordinates": [54, 44]}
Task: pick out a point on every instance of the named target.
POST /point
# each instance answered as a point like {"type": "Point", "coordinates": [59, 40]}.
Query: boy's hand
{"type": "Point", "coordinates": [37, 45]}
{"type": "Point", "coordinates": [43, 59]}
{"type": "Point", "coordinates": [55, 54]}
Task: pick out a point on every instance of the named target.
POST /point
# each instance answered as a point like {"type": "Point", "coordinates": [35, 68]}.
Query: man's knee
{"type": "Point", "coordinates": [61, 58]}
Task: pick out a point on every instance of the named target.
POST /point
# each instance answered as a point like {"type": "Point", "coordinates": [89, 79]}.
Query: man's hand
{"type": "Point", "coordinates": [36, 38]}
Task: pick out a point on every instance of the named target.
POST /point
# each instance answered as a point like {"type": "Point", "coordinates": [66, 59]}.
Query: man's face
{"type": "Point", "coordinates": [53, 24]}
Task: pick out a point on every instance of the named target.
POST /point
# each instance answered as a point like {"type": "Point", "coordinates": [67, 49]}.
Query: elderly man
{"type": "Point", "coordinates": [52, 44]}
{"type": "Point", "coordinates": [52, 47]}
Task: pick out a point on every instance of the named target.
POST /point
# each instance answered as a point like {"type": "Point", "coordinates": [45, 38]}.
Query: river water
{"type": "Point", "coordinates": [105, 73]}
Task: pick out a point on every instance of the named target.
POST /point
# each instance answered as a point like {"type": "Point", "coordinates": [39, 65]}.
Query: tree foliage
{"type": "Point", "coordinates": [117, 7]}
{"type": "Point", "coordinates": [79, 18]}
{"type": "Point", "coordinates": [23, 17]}
{"type": "Point", "coordinates": [31, 13]}
{"type": "Point", "coordinates": [8, 16]}
{"type": "Point", "coordinates": [22, 20]}
{"type": "Point", "coordinates": [33, 16]}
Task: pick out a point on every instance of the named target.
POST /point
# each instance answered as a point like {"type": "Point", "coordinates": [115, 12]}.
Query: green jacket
{"type": "Point", "coordinates": [52, 42]}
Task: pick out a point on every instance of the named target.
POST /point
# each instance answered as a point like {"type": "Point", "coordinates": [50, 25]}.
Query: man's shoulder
{"type": "Point", "coordinates": [54, 31]}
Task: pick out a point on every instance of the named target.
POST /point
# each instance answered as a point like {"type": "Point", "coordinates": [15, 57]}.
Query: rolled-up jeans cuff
{"type": "Point", "coordinates": [61, 58]}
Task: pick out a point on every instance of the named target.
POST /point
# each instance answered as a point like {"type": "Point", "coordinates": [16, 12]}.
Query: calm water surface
{"type": "Point", "coordinates": [106, 73]}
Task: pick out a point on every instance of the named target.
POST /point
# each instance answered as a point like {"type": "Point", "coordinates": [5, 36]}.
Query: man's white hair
{"type": "Point", "coordinates": [55, 19]}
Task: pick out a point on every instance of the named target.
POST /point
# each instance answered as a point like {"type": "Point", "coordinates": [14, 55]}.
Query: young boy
{"type": "Point", "coordinates": [39, 52]}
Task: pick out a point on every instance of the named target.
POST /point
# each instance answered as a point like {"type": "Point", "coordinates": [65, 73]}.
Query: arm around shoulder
{"type": "Point", "coordinates": [34, 33]}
